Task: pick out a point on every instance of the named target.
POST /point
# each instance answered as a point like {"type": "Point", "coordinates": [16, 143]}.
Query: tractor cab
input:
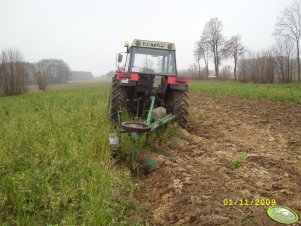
{"type": "Point", "coordinates": [149, 57]}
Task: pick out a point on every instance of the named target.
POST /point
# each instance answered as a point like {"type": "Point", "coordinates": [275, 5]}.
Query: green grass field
{"type": "Point", "coordinates": [276, 92]}
{"type": "Point", "coordinates": [55, 163]}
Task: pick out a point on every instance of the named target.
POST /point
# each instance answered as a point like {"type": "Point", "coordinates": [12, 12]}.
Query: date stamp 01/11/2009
{"type": "Point", "coordinates": [249, 202]}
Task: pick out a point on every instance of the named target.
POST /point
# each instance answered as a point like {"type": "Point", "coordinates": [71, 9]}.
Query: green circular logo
{"type": "Point", "coordinates": [138, 43]}
{"type": "Point", "coordinates": [282, 214]}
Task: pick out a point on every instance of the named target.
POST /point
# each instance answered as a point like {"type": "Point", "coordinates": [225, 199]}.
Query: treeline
{"type": "Point", "coordinates": [81, 75]}
{"type": "Point", "coordinates": [266, 67]}
{"type": "Point", "coordinates": [279, 63]}
{"type": "Point", "coordinates": [56, 71]}
{"type": "Point", "coordinates": [16, 74]}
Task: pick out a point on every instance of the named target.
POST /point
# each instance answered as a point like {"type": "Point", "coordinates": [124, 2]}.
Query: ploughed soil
{"type": "Point", "coordinates": [192, 183]}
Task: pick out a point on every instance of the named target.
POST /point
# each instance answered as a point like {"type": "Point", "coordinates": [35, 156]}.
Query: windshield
{"type": "Point", "coordinates": [153, 61]}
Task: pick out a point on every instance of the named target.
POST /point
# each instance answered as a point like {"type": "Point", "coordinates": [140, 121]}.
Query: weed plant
{"type": "Point", "coordinates": [239, 160]}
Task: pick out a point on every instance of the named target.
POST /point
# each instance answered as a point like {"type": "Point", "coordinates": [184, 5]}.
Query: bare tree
{"type": "Point", "coordinates": [202, 51]}
{"type": "Point", "coordinates": [1, 79]}
{"type": "Point", "coordinates": [288, 26]}
{"type": "Point", "coordinates": [234, 48]}
{"type": "Point", "coordinates": [41, 79]}
{"type": "Point", "coordinates": [192, 71]}
{"type": "Point", "coordinates": [226, 73]}
{"type": "Point", "coordinates": [283, 52]}
{"type": "Point", "coordinates": [57, 71]}
{"type": "Point", "coordinates": [258, 68]}
{"type": "Point", "coordinates": [198, 57]}
{"type": "Point", "coordinates": [13, 76]}
{"type": "Point", "coordinates": [243, 70]}
{"type": "Point", "coordinates": [212, 34]}
{"type": "Point", "coordinates": [266, 65]}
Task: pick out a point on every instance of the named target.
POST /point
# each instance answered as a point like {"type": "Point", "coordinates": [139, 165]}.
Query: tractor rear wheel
{"type": "Point", "coordinates": [178, 105]}
{"type": "Point", "coordinates": [118, 100]}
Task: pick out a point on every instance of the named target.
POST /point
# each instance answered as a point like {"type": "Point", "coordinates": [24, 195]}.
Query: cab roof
{"type": "Point", "coordinates": [153, 44]}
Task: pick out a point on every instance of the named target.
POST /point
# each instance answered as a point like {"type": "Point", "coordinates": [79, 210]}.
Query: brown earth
{"type": "Point", "coordinates": [190, 186]}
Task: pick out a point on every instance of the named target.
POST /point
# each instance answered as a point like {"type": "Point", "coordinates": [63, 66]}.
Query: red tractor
{"type": "Point", "coordinates": [149, 69]}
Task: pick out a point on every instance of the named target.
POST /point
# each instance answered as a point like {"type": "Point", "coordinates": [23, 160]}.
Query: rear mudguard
{"type": "Point", "coordinates": [130, 79]}
{"type": "Point", "coordinates": [179, 83]}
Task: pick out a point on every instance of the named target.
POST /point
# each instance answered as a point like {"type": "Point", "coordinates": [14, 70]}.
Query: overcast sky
{"type": "Point", "coordinates": [87, 34]}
